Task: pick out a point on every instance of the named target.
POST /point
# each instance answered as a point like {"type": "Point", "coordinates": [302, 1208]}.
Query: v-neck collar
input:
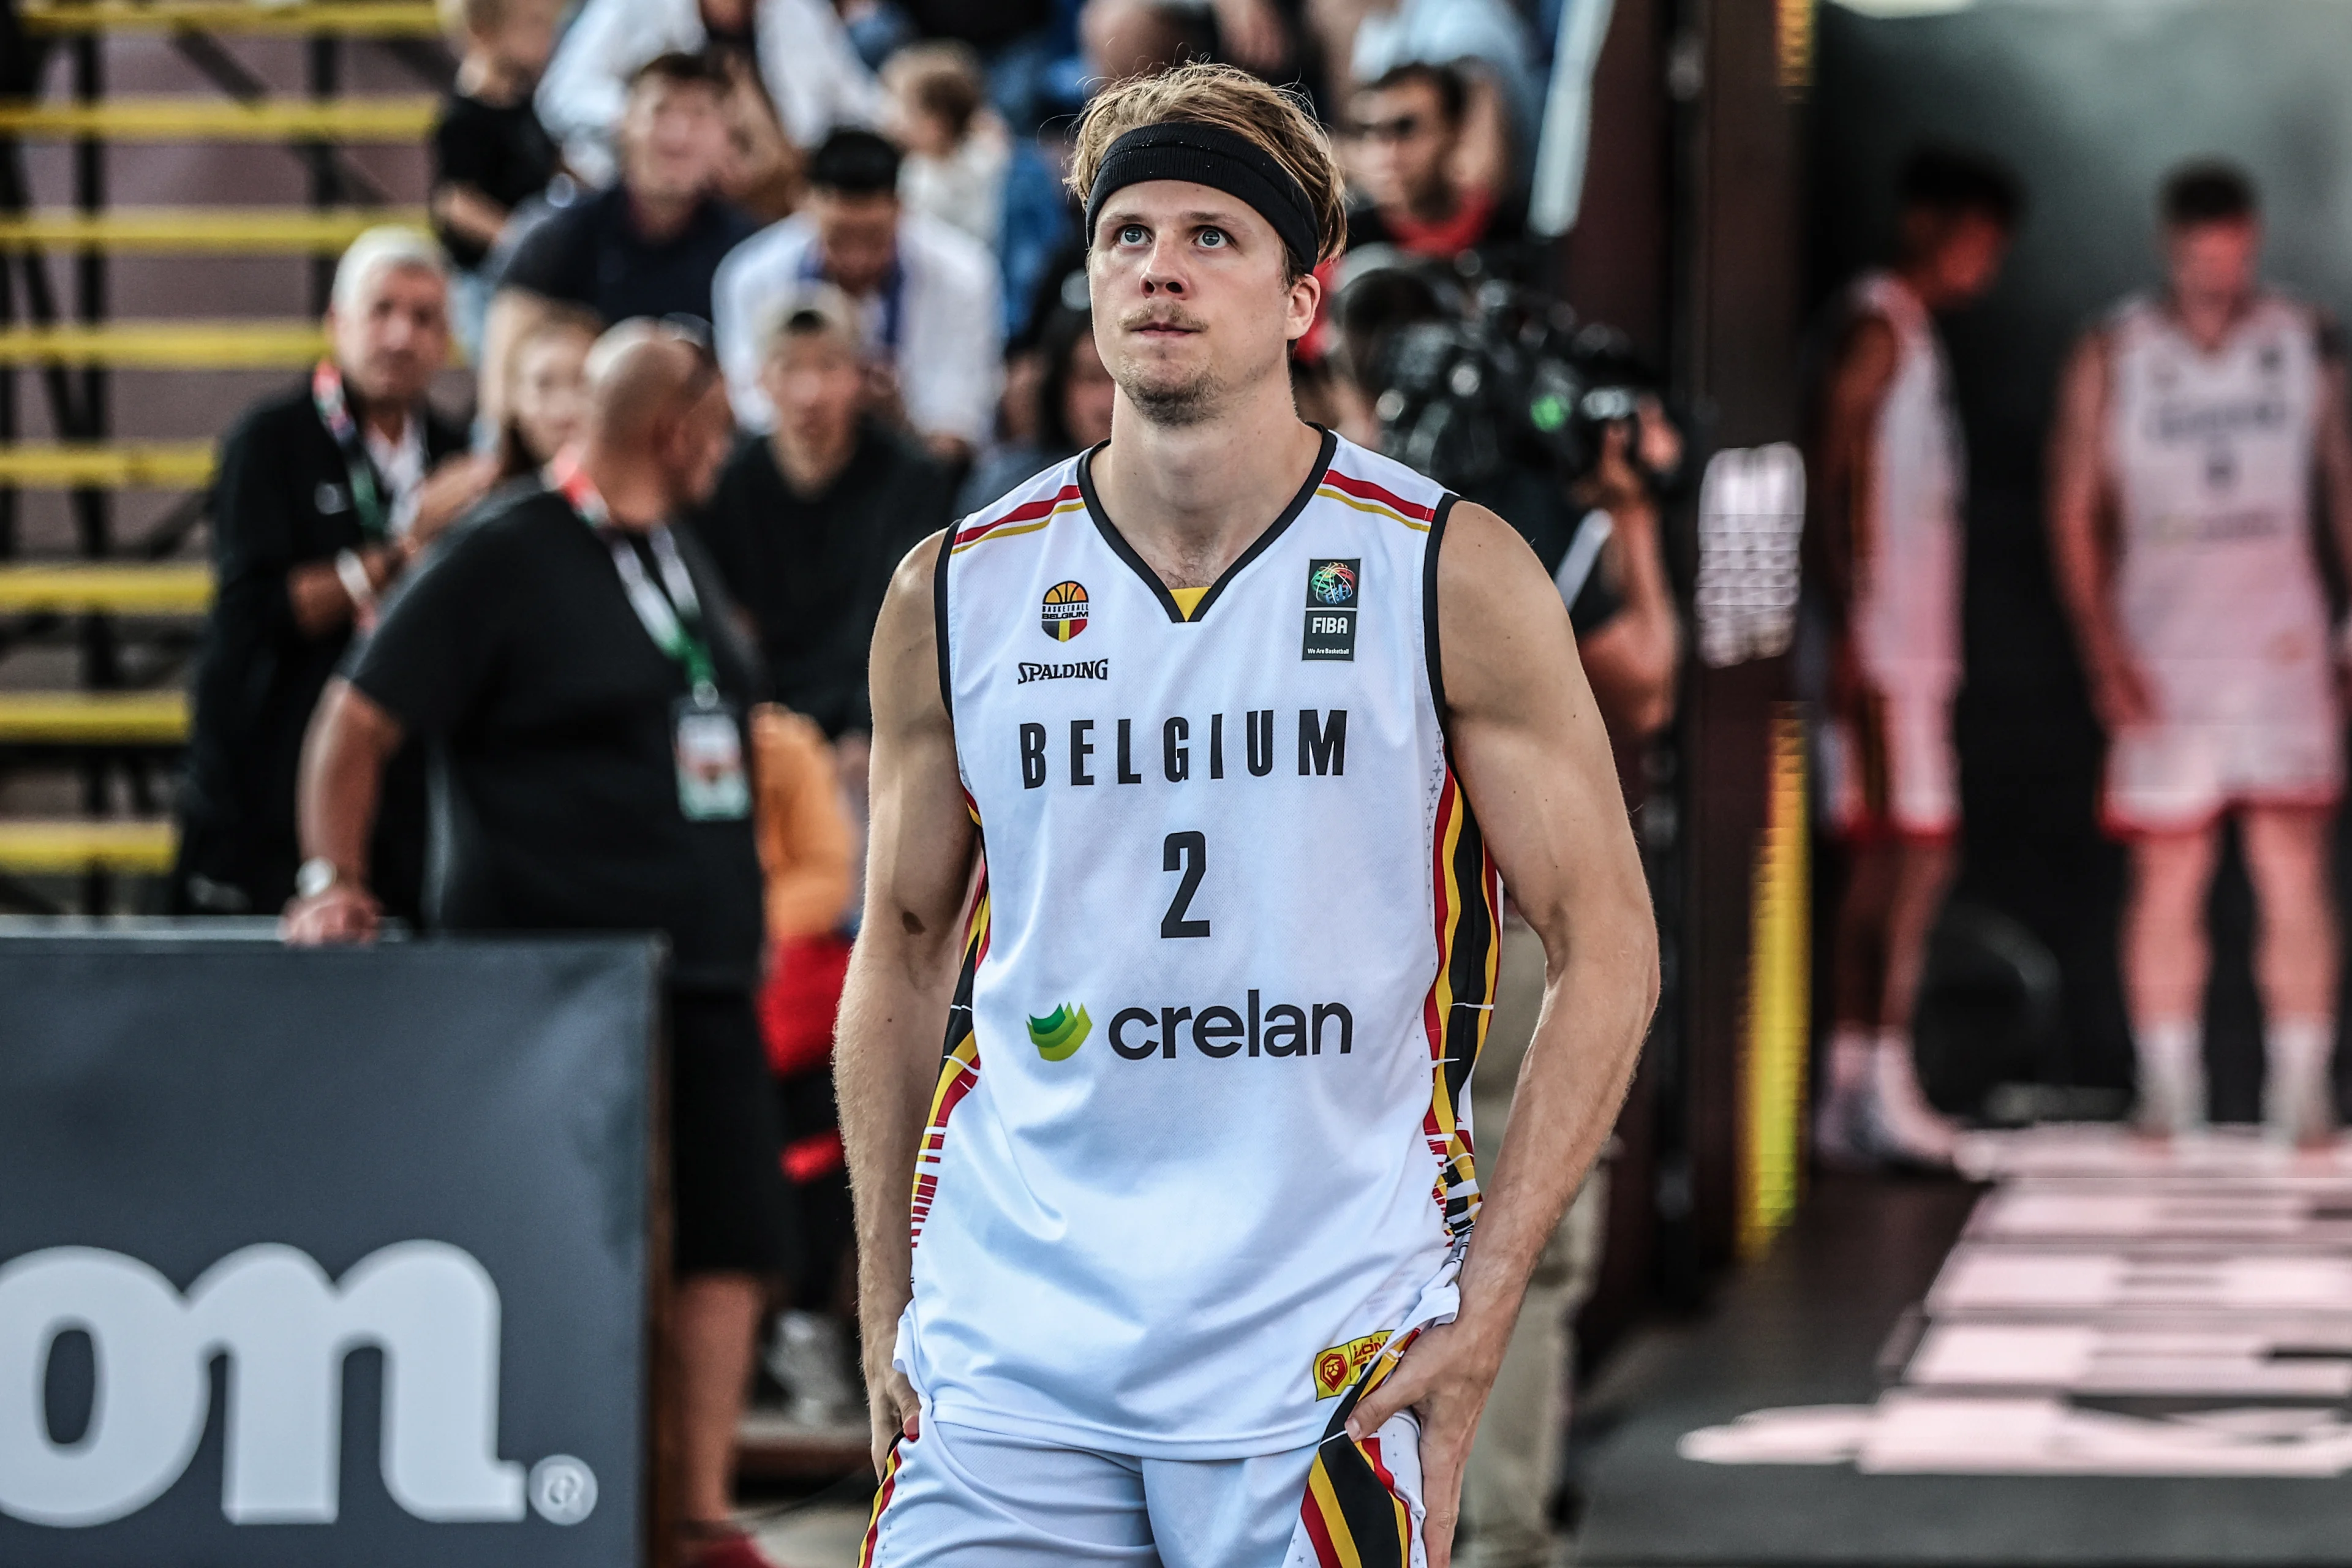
{"type": "Point", "coordinates": [1142, 568]}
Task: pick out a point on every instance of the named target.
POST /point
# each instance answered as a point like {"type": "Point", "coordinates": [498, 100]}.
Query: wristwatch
{"type": "Point", "coordinates": [318, 874]}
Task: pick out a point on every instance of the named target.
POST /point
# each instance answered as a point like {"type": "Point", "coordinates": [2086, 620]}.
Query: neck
{"type": "Point", "coordinates": [1916, 277]}
{"type": "Point", "coordinates": [659, 217]}
{"type": "Point", "coordinates": [1192, 497]}
{"type": "Point", "coordinates": [487, 78]}
{"type": "Point", "coordinates": [2208, 317]}
{"type": "Point", "coordinates": [808, 466]}
{"type": "Point", "coordinates": [635, 497]}
{"type": "Point", "coordinates": [385, 417]}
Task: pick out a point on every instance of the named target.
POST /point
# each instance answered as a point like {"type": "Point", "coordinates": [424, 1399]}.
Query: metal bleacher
{"type": "Point", "coordinates": [115, 607]}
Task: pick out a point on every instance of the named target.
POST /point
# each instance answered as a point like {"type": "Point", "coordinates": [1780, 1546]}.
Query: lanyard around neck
{"type": "Point", "coordinates": [671, 614]}
{"type": "Point", "coordinates": [326, 394]}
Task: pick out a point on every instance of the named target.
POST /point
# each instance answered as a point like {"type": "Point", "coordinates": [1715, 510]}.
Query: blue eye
{"type": "Point", "coordinates": [1212, 238]}
{"type": "Point", "coordinates": [1131, 233]}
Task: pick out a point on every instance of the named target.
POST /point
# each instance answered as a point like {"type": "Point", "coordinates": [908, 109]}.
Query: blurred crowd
{"type": "Point", "coordinates": [859, 291]}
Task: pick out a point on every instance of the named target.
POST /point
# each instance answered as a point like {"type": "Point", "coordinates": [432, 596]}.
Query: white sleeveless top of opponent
{"type": "Point", "coordinates": [2212, 456]}
{"type": "Point", "coordinates": [1202, 1131]}
{"type": "Point", "coordinates": [1907, 612]}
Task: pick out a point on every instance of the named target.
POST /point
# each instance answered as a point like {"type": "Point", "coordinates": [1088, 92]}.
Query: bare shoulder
{"type": "Point", "coordinates": [1497, 611]}
{"type": "Point", "coordinates": [905, 675]}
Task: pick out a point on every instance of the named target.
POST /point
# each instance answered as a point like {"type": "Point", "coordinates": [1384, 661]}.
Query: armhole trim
{"type": "Point", "coordinates": [1429, 638]}
{"type": "Point", "coordinates": [939, 620]}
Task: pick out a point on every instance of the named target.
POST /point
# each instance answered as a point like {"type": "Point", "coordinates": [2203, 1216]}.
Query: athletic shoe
{"type": "Point", "coordinates": [728, 1548]}
{"type": "Point", "coordinates": [810, 1357]}
{"type": "Point", "coordinates": [1840, 1119]}
{"type": "Point", "coordinates": [1899, 1124]}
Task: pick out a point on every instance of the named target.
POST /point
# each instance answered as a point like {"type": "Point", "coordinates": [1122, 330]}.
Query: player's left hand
{"type": "Point", "coordinates": [1443, 1379]}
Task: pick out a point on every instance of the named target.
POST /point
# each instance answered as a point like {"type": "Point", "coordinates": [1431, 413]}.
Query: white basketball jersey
{"type": "Point", "coordinates": [1907, 611]}
{"type": "Point", "coordinates": [2213, 458]}
{"type": "Point", "coordinates": [1202, 1134]}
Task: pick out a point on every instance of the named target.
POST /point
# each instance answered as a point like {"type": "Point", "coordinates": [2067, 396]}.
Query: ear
{"type": "Point", "coordinates": [1306, 298]}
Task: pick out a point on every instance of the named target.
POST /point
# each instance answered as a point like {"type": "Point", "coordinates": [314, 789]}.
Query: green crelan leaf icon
{"type": "Point", "coordinates": [1058, 1035]}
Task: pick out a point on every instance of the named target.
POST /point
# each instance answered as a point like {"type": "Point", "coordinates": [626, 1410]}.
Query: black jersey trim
{"type": "Point", "coordinates": [1142, 568]}
{"type": "Point", "coordinates": [1428, 642]}
{"type": "Point", "coordinates": [939, 620]}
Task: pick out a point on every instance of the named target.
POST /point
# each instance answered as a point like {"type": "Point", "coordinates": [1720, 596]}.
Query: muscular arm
{"type": "Point", "coordinates": [344, 753]}
{"type": "Point", "coordinates": [2081, 557]}
{"type": "Point", "coordinates": [1845, 465]}
{"type": "Point", "coordinates": [902, 974]}
{"type": "Point", "coordinates": [1534, 759]}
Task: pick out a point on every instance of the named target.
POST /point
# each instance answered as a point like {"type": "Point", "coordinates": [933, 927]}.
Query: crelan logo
{"type": "Point", "coordinates": [1058, 1035]}
{"type": "Point", "coordinates": [285, 1328]}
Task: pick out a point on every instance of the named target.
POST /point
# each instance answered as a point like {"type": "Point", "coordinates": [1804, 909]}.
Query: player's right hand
{"type": "Point", "coordinates": [2121, 694]}
{"type": "Point", "coordinates": [896, 1411]}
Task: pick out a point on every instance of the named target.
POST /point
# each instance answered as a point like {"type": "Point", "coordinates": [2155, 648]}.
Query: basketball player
{"type": "Point", "coordinates": [1216, 736]}
{"type": "Point", "coordinates": [1888, 472]}
{"type": "Point", "coordinates": [2191, 425]}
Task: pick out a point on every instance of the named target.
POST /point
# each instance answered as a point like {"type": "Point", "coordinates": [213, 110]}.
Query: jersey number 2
{"type": "Point", "coordinates": [1187, 852]}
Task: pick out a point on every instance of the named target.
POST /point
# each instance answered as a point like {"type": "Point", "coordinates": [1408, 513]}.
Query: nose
{"type": "Point", "coordinates": [1163, 270]}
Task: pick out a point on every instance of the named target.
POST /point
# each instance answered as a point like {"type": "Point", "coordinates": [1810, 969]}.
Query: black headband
{"type": "Point", "coordinates": [1221, 159]}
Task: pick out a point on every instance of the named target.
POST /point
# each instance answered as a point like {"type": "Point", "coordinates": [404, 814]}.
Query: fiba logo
{"type": "Point", "coordinates": [1064, 613]}
{"type": "Point", "coordinates": [285, 1327]}
{"type": "Point", "coordinates": [1332, 582]}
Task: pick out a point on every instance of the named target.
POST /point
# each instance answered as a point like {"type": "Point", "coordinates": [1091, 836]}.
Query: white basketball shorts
{"type": "Point", "coordinates": [2178, 775]}
{"type": "Point", "coordinates": [1888, 770]}
{"type": "Point", "coordinates": [959, 1498]}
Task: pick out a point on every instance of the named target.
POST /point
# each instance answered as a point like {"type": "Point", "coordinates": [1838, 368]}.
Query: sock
{"type": "Point", "coordinates": [2171, 1053]}
{"type": "Point", "coordinates": [2299, 1053]}
{"type": "Point", "coordinates": [1850, 1054]}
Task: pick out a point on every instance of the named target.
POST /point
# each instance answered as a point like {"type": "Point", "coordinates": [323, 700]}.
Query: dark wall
{"type": "Point", "coordinates": [2091, 103]}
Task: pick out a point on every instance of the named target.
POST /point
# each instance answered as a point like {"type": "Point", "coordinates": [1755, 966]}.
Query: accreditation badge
{"type": "Point", "coordinates": [712, 785]}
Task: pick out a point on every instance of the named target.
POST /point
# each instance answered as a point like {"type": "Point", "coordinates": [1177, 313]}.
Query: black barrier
{"type": "Point", "coordinates": [314, 1258]}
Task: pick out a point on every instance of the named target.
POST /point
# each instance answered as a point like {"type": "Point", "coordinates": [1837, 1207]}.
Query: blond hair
{"type": "Point", "coordinates": [1204, 93]}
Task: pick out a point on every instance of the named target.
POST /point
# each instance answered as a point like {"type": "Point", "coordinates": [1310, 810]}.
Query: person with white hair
{"type": "Point", "coordinates": [323, 496]}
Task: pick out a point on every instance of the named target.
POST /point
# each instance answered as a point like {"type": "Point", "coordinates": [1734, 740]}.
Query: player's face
{"type": "Point", "coordinates": [395, 337]}
{"type": "Point", "coordinates": [1969, 257]}
{"type": "Point", "coordinates": [2213, 261]}
{"type": "Point", "coordinates": [1192, 299]}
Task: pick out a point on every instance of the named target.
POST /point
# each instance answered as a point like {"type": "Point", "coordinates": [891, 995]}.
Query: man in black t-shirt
{"type": "Point", "coordinates": [323, 494]}
{"type": "Point", "coordinates": [490, 153]}
{"type": "Point", "coordinates": [583, 700]}
{"type": "Point", "coordinates": [809, 521]}
{"type": "Point", "coordinates": [646, 247]}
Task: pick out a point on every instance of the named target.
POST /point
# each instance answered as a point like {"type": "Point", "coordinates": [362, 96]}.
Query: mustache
{"type": "Point", "coordinates": [1162, 316]}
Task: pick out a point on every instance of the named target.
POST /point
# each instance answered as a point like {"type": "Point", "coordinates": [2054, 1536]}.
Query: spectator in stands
{"type": "Point", "coordinates": [647, 246]}
{"type": "Point", "coordinates": [1488, 42]}
{"type": "Point", "coordinates": [810, 519]}
{"type": "Point", "coordinates": [801, 54]}
{"type": "Point", "coordinates": [957, 149]}
{"type": "Point", "coordinates": [323, 497]}
{"type": "Point", "coordinates": [490, 152]}
{"type": "Point", "coordinates": [1405, 132]}
{"type": "Point", "coordinates": [925, 293]}
{"type": "Point", "coordinates": [1073, 395]}
{"type": "Point", "coordinates": [547, 398]}
{"type": "Point", "coordinates": [588, 714]}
